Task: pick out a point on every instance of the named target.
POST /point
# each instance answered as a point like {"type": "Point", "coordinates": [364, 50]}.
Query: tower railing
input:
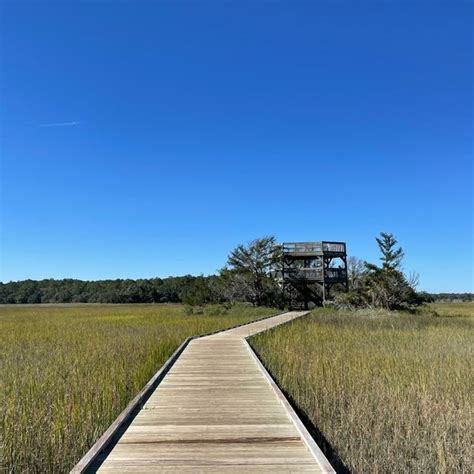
{"type": "Point", "coordinates": [313, 247]}
{"type": "Point", "coordinates": [330, 274]}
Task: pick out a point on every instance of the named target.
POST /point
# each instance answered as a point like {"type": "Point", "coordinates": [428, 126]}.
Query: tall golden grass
{"type": "Point", "coordinates": [390, 392]}
{"type": "Point", "coordinates": [67, 371]}
{"type": "Point", "coordinates": [453, 309]}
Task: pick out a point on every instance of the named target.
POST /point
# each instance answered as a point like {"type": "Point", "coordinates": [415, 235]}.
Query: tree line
{"type": "Point", "coordinates": [245, 278]}
{"type": "Point", "coordinates": [451, 297]}
{"type": "Point", "coordinates": [188, 289]}
{"type": "Point", "coordinates": [154, 290]}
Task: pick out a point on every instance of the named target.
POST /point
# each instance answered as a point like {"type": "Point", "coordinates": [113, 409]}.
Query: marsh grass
{"type": "Point", "coordinates": [67, 371]}
{"type": "Point", "coordinates": [458, 310]}
{"type": "Point", "coordinates": [390, 392]}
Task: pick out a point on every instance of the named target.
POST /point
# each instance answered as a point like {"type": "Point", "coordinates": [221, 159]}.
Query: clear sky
{"type": "Point", "coordinates": [149, 139]}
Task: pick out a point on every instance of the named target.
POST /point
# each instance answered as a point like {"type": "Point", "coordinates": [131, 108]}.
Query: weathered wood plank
{"type": "Point", "coordinates": [254, 466]}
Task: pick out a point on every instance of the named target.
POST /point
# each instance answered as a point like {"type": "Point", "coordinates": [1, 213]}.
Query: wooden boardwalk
{"type": "Point", "coordinates": [217, 410]}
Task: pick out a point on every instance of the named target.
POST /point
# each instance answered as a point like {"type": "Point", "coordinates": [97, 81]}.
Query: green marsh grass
{"type": "Point", "coordinates": [67, 371]}
{"type": "Point", "coordinates": [390, 392]}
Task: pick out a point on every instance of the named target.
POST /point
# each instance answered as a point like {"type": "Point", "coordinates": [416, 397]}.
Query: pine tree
{"type": "Point", "coordinates": [391, 256]}
{"type": "Point", "coordinates": [387, 286]}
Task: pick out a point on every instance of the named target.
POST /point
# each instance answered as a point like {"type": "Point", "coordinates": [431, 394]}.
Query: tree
{"type": "Point", "coordinates": [198, 293]}
{"type": "Point", "coordinates": [236, 285]}
{"type": "Point", "coordinates": [250, 266]}
{"type": "Point", "coordinates": [391, 256]}
{"type": "Point", "coordinates": [389, 289]}
{"type": "Point", "coordinates": [387, 286]}
{"type": "Point", "coordinates": [356, 270]}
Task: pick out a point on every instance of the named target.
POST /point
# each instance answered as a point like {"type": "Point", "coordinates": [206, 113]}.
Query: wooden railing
{"type": "Point", "coordinates": [331, 274]}
{"type": "Point", "coordinates": [313, 247]}
{"type": "Point", "coordinates": [302, 247]}
{"type": "Point", "coordinates": [303, 273]}
{"type": "Point", "coordinates": [336, 247]}
{"type": "Point", "coordinates": [335, 274]}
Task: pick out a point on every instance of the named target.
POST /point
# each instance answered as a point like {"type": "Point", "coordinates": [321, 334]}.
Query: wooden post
{"type": "Point", "coordinates": [324, 281]}
{"type": "Point", "coordinates": [344, 259]}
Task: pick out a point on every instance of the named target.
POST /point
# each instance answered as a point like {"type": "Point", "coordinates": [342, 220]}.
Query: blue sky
{"type": "Point", "coordinates": [148, 139]}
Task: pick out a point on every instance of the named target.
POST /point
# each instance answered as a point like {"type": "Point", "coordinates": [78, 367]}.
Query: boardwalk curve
{"type": "Point", "coordinates": [217, 410]}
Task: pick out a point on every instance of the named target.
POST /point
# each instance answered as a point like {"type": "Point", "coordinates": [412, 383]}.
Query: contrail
{"type": "Point", "coordinates": [60, 124]}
